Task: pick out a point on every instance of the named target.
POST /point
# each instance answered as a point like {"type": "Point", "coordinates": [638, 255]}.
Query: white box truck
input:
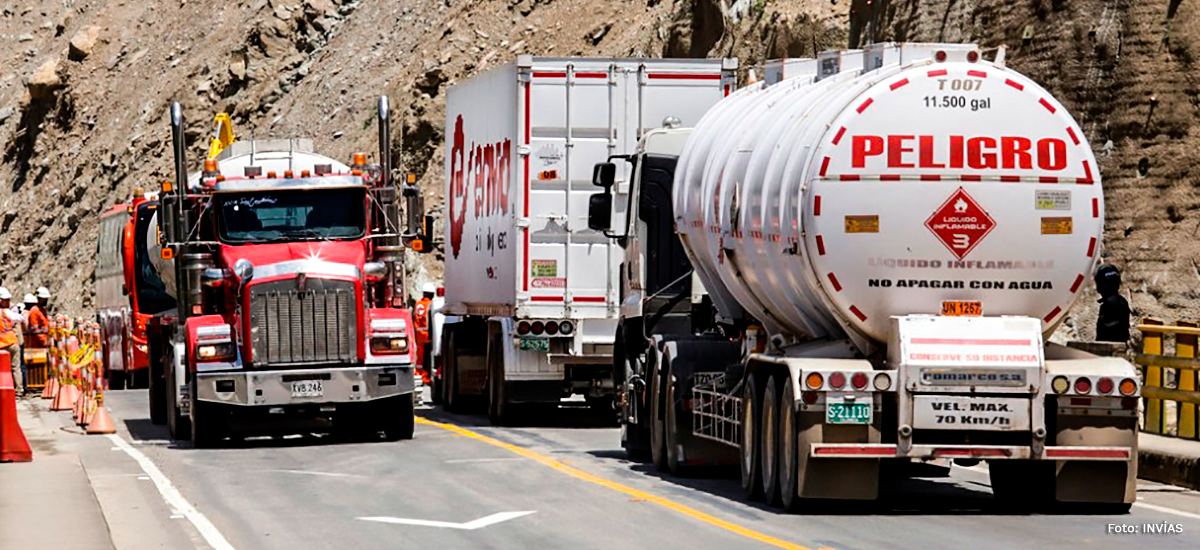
{"type": "Point", "coordinates": [531, 291]}
{"type": "Point", "coordinates": [867, 268]}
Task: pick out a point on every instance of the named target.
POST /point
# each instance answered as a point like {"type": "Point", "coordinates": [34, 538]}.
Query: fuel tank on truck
{"type": "Point", "coordinates": [825, 206]}
{"type": "Point", "coordinates": [243, 158]}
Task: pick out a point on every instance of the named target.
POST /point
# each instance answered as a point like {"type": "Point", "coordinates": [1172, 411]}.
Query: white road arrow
{"type": "Point", "coordinates": [469, 526]}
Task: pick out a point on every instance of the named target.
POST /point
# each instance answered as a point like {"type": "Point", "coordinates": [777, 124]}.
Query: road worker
{"type": "Point", "coordinates": [38, 325]}
{"type": "Point", "coordinates": [10, 338]}
{"type": "Point", "coordinates": [421, 320]}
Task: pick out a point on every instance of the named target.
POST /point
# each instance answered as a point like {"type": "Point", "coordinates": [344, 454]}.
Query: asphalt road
{"type": "Point", "coordinates": [561, 481]}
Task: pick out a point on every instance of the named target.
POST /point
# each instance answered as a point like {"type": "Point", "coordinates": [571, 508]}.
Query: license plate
{"type": "Point", "coordinates": [308, 388]}
{"type": "Point", "coordinates": [535, 344]}
{"type": "Point", "coordinates": [848, 413]}
{"type": "Point", "coordinates": [962, 309]}
{"type": "Point", "coordinates": [1001, 414]}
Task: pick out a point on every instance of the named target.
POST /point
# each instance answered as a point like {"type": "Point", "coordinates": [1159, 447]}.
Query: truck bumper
{"type": "Point", "coordinates": [274, 387]}
{"type": "Point", "coordinates": [982, 452]}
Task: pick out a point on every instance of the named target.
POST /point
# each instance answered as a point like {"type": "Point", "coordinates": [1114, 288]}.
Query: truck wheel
{"type": "Point", "coordinates": [453, 400]}
{"type": "Point", "coordinates": [116, 379]}
{"type": "Point", "coordinates": [206, 424]}
{"type": "Point", "coordinates": [789, 452]}
{"type": "Point", "coordinates": [435, 383]}
{"type": "Point", "coordinates": [769, 450]}
{"type": "Point", "coordinates": [1023, 485]}
{"type": "Point", "coordinates": [139, 379]}
{"type": "Point", "coordinates": [177, 424]}
{"type": "Point", "coordinates": [670, 423]}
{"type": "Point", "coordinates": [398, 418]}
{"type": "Point", "coordinates": [751, 437]}
{"type": "Point", "coordinates": [658, 437]}
{"type": "Point", "coordinates": [157, 398]}
{"type": "Point", "coordinates": [499, 410]}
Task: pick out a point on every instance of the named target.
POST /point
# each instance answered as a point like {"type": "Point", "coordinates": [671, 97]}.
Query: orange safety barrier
{"type": "Point", "coordinates": [13, 445]}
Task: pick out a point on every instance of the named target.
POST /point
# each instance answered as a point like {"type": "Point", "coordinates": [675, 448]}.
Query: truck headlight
{"type": "Point", "coordinates": [216, 352]}
{"type": "Point", "coordinates": [385, 345]}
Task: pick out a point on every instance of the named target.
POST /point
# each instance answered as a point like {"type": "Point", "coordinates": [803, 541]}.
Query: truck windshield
{"type": "Point", "coordinates": [279, 216]}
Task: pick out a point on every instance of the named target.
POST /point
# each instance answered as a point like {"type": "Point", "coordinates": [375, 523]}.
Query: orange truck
{"type": "Point", "coordinates": [128, 294]}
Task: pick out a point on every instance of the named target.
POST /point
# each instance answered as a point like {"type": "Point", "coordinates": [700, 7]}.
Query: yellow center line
{"type": "Point", "coordinates": [636, 494]}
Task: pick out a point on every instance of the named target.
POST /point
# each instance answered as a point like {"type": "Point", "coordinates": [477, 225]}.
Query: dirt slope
{"type": "Point", "coordinates": [82, 126]}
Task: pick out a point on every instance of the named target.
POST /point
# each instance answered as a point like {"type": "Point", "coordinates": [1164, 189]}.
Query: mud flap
{"type": "Point", "coordinates": [835, 478]}
{"type": "Point", "coordinates": [1097, 481]}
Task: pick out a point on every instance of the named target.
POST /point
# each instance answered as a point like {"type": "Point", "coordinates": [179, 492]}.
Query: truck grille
{"type": "Point", "coordinates": [293, 326]}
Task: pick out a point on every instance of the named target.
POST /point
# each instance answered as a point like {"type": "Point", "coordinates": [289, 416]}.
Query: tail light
{"type": "Point", "coordinates": [566, 327]}
{"type": "Point", "coordinates": [940, 56]}
{"type": "Point", "coordinates": [1060, 384]}
{"type": "Point", "coordinates": [551, 328]}
{"type": "Point", "coordinates": [882, 381]}
{"type": "Point", "coordinates": [537, 328]}
{"type": "Point", "coordinates": [1082, 385]}
{"type": "Point", "coordinates": [1104, 385]}
{"type": "Point", "coordinates": [809, 397]}
{"type": "Point", "coordinates": [523, 328]}
{"type": "Point", "coordinates": [1128, 403]}
{"type": "Point", "coordinates": [837, 380]}
{"type": "Point", "coordinates": [814, 380]}
{"type": "Point", "coordinates": [1128, 386]}
{"type": "Point", "coordinates": [972, 56]}
{"type": "Point", "coordinates": [858, 380]}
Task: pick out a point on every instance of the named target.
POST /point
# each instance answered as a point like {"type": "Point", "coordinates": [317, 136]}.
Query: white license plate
{"type": "Point", "coordinates": [840, 411]}
{"type": "Point", "coordinates": [308, 388]}
{"type": "Point", "coordinates": [935, 412]}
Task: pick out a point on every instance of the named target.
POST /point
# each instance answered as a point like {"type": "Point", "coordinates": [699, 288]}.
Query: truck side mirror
{"type": "Point", "coordinates": [600, 210]}
{"type": "Point", "coordinates": [604, 174]}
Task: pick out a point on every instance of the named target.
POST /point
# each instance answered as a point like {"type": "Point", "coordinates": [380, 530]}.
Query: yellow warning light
{"type": "Point", "coordinates": [411, 179]}
{"type": "Point", "coordinates": [417, 245]}
{"type": "Point", "coordinates": [167, 186]}
{"type": "Point", "coordinates": [360, 158]}
{"type": "Point", "coordinates": [167, 253]}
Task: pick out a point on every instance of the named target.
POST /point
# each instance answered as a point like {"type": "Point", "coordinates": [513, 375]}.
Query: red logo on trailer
{"type": "Point", "coordinates": [960, 223]}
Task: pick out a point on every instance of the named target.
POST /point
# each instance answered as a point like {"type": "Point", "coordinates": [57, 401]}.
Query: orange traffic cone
{"type": "Point", "coordinates": [51, 388]}
{"type": "Point", "coordinates": [77, 408]}
{"type": "Point", "coordinates": [101, 422]}
{"type": "Point", "coordinates": [64, 400]}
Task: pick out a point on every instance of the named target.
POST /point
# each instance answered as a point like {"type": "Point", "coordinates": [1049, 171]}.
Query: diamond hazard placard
{"type": "Point", "coordinates": [960, 223]}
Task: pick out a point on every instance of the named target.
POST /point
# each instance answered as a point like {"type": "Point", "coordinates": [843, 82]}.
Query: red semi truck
{"type": "Point", "coordinates": [287, 267]}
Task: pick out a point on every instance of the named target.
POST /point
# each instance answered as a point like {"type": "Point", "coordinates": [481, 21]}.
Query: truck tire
{"type": "Point", "coordinates": [751, 437]}
{"type": "Point", "coordinates": [177, 424]}
{"type": "Point", "coordinates": [139, 379]}
{"type": "Point", "coordinates": [398, 418]}
{"type": "Point", "coordinates": [769, 450]}
{"type": "Point", "coordinates": [1023, 486]}
{"type": "Point", "coordinates": [436, 382]}
{"type": "Point", "coordinates": [499, 409]}
{"type": "Point", "coordinates": [671, 422]}
{"type": "Point", "coordinates": [635, 437]}
{"type": "Point", "coordinates": [658, 436]}
{"type": "Point", "coordinates": [453, 399]}
{"type": "Point", "coordinates": [206, 424]}
{"type": "Point", "coordinates": [789, 451]}
{"type": "Point", "coordinates": [116, 379]}
{"type": "Point", "coordinates": [156, 383]}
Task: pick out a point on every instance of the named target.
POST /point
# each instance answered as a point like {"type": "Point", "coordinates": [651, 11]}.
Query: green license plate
{"type": "Point", "coordinates": [848, 413]}
{"type": "Point", "coordinates": [535, 344]}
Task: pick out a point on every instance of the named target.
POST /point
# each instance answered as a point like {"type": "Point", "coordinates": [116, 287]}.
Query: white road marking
{"type": "Point", "coordinates": [469, 526]}
{"type": "Point", "coordinates": [1166, 510]}
{"type": "Point", "coordinates": [469, 460]}
{"type": "Point", "coordinates": [172, 496]}
{"type": "Point", "coordinates": [313, 473]}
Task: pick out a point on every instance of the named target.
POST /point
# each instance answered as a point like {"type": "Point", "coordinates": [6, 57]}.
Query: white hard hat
{"type": "Point", "coordinates": [43, 292]}
{"type": "Point", "coordinates": [29, 299]}
{"type": "Point", "coordinates": [429, 288]}
{"type": "Point", "coordinates": [5, 294]}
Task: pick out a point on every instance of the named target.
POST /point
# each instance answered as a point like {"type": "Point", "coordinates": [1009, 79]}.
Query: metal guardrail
{"type": "Point", "coordinates": [1159, 370]}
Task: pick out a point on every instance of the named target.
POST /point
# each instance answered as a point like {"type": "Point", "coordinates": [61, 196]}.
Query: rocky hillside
{"type": "Point", "coordinates": [87, 84]}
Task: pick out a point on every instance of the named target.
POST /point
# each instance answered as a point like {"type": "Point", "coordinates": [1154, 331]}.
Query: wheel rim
{"type": "Point", "coordinates": [787, 442]}
{"type": "Point", "coordinates": [767, 434]}
{"type": "Point", "coordinates": [748, 426]}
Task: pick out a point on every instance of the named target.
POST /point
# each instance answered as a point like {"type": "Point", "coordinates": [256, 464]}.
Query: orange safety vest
{"type": "Point", "coordinates": [8, 331]}
{"type": "Point", "coordinates": [421, 314]}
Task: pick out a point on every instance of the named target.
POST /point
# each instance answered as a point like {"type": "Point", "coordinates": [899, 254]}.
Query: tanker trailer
{"type": "Point", "coordinates": [867, 268]}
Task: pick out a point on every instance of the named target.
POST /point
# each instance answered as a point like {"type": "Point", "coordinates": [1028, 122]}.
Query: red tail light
{"type": "Point", "coordinates": [522, 328]}
{"type": "Point", "coordinates": [858, 380]}
{"type": "Point", "coordinates": [940, 56]}
{"type": "Point", "coordinates": [552, 328]}
{"type": "Point", "coordinates": [809, 397]}
{"type": "Point", "coordinates": [1082, 385]}
{"type": "Point", "coordinates": [837, 380]}
{"type": "Point", "coordinates": [1105, 385]}
{"type": "Point", "coordinates": [537, 327]}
